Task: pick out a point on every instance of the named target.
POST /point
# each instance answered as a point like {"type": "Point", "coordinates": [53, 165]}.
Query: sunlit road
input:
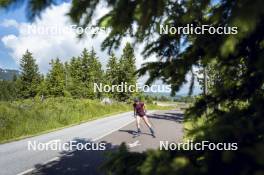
{"type": "Point", "coordinates": [15, 158]}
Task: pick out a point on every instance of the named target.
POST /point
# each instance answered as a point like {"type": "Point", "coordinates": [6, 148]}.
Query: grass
{"type": "Point", "coordinates": [25, 118]}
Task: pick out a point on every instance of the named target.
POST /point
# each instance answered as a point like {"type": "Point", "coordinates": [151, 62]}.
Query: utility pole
{"type": "Point", "coordinates": [205, 87]}
{"type": "Point", "coordinates": [205, 81]}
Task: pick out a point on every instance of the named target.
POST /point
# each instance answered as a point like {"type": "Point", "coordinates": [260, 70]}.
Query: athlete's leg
{"type": "Point", "coordinates": [138, 122]}
{"type": "Point", "coordinates": [145, 118]}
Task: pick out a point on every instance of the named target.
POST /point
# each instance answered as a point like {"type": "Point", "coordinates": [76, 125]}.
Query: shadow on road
{"type": "Point", "coordinates": [87, 162]}
{"type": "Point", "coordinates": [177, 117]}
{"type": "Point", "coordinates": [133, 132]}
{"type": "Point", "coordinates": [77, 162]}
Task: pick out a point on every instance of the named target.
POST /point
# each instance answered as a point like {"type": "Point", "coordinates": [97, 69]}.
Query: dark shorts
{"type": "Point", "coordinates": [141, 114]}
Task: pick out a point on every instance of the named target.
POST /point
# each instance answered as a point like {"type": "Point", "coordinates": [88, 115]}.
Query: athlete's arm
{"type": "Point", "coordinates": [144, 107]}
{"type": "Point", "coordinates": [134, 111]}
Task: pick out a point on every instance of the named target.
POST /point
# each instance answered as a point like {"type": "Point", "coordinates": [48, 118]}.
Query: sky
{"type": "Point", "coordinates": [6, 60]}
{"type": "Point", "coordinates": [17, 35]}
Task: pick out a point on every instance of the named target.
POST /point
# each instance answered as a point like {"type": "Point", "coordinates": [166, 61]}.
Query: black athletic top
{"type": "Point", "coordinates": [139, 109]}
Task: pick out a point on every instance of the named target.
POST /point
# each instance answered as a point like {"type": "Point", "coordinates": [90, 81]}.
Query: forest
{"type": "Point", "coordinates": [232, 106]}
{"type": "Point", "coordinates": [32, 103]}
{"type": "Point", "coordinates": [74, 78]}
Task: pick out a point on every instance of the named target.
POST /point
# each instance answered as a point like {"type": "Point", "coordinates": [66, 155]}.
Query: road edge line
{"type": "Point", "coordinates": [98, 138]}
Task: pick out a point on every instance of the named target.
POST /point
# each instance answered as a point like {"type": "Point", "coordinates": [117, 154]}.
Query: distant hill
{"type": "Point", "coordinates": [8, 74]}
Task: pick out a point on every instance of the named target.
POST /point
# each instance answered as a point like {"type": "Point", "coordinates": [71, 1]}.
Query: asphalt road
{"type": "Point", "coordinates": [16, 158]}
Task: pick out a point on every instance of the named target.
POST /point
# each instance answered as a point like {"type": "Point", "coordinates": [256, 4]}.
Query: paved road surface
{"type": "Point", "coordinates": [15, 157]}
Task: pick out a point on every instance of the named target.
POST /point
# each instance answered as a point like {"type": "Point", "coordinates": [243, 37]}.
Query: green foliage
{"type": "Point", "coordinates": [30, 76]}
{"type": "Point", "coordinates": [82, 73]}
{"type": "Point", "coordinates": [42, 87]}
{"type": "Point", "coordinates": [74, 77]}
{"type": "Point", "coordinates": [240, 96]}
{"type": "Point", "coordinates": [234, 103]}
{"type": "Point", "coordinates": [34, 8]}
{"type": "Point", "coordinates": [112, 73]}
{"type": "Point", "coordinates": [33, 116]}
{"type": "Point", "coordinates": [146, 98]}
{"type": "Point", "coordinates": [8, 90]}
{"type": "Point", "coordinates": [95, 74]}
{"type": "Point", "coordinates": [127, 65]}
{"type": "Point", "coordinates": [116, 163]}
{"type": "Point", "coordinates": [164, 98]}
{"type": "Point", "coordinates": [185, 99]}
{"type": "Point", "coordinates": [127, 71]}
{"type": "Point", "coordinates": [56, 79]}
{"type": "Point", "coordinates": [29, 117]}
{"type": "Point", "coordinates": [122, 71]}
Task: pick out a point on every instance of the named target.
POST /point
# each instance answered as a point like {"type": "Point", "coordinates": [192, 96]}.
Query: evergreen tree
{"type": "Point", "coordinates": [127, 71]}
{"type": "Point", "coordinates": [91, 73]}
{"type": "Point", "coordinates": [240, 121]}
{"type": "Point", "coordinates": [56, 79]}
{"type": "Point", "coordinates": [84, 71]}
{"type": "Point", "coordinates": [30, 76]}
{"type": "Point", "coordinates": [42, 88]}
{"type": "Point", "coordinates": [74, 78]}
{"type": "Point", "coordinates": [95, 73]}
{"type": "Point", "coordinates": [209, 76]}
{"type": "Point", "coordinates": [86, 74]}
{"type": "Point", "coordinates": [112, 69]}
{"type": "Point", "coordinates": [112, 73]}
{"type": "Point", "coordinates": [7, 90]}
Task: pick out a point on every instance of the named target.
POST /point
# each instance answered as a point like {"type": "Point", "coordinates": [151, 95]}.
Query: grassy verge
{"type": "Point", "coordinates": [25, 118]}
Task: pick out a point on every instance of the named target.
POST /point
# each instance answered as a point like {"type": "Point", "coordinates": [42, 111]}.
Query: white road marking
{"type": "Point", "coordinates": [98, 138]}
{"type": "Point", "coordinates": [134, 144]}
{"type": "Point", "coordinates": [56, 158]}
{"type": "Point", "coordinates": [27, 171]}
